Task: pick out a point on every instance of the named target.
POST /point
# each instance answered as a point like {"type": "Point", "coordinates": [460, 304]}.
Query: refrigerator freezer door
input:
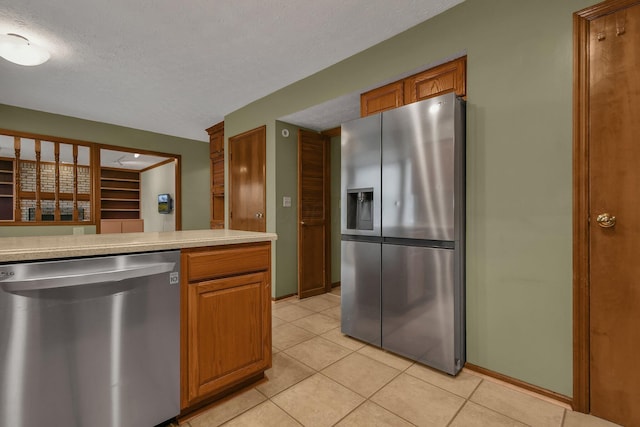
{"type": "Point", "coordinates": [418, 170]}
{"type": "Point", "coordinates": [360, 172]}
{"type": "Point", "coordinates": [360, 289]}
{"type": "Point", "coordinates": [418, 306]}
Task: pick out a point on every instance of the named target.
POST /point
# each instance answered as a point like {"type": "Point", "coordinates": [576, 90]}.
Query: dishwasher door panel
{"type": "Point", "coordinates": [99, 354]}
{"type": "Point", "coordinates": [418, 305]}
{"type": "Point", "coordinates": [360, 290]}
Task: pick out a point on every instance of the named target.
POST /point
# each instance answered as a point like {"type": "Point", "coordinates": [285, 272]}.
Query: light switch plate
{"type": "Point", "coordinates": [286, 202]}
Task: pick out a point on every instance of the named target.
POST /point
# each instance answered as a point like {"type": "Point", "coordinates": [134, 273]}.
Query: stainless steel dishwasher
{"type": "Point", "coordinates": [90, 341]}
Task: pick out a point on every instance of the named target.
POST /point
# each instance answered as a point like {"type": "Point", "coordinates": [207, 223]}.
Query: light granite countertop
{"type": "Point", "coordinates": [14, 249]}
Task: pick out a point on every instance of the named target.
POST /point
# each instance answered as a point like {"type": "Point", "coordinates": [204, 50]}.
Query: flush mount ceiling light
{"type": "Point", "coordinates": [19, 50]}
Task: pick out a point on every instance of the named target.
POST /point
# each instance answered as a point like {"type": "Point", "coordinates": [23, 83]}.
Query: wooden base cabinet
{"type": "Point", "coordinates": [226, 319]}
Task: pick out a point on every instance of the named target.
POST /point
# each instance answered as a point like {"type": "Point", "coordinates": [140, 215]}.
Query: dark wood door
{"type": "Point", "coordinates": [614, 217]}
{"type": "Point", "coordinates": [313, 214]}
{"type": "Point", "coordinates": [247, 181]}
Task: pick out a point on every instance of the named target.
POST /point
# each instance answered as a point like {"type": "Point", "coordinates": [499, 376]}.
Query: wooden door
{"type": "Point", "coordinates": [247, 181]}
{"type": "Point", "coordinates": [313, 214]}
{"type": "Point", "coordinates": [608, 210]}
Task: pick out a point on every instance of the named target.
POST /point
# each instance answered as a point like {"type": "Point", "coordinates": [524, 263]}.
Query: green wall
{"type": "Point", "coordinates": [519, 273]}
{"type": "Point", "coordinates": [195, 159]}
{"type": "Point", "coordinates": [286, 271]}
{"type": "Point", "coordinates": [286, 218]}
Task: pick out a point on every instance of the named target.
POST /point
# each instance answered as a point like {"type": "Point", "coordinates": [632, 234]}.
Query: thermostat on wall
{"type": "Point", "coordinates": [285, 133]}
{"type": "Point", "coordinates": [165, 204]}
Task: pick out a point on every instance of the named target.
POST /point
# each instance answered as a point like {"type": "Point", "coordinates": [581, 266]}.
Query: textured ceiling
{"type": "Point", "coordinates": [177, 67]}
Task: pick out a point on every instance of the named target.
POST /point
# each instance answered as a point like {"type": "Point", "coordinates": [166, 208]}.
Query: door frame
{"type": "Point", "coordinates": [581, 172]}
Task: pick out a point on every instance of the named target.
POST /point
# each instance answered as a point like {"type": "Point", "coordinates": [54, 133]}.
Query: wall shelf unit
{"type": "Point", "coordinates": [6, 189]}
{"type": "Point", "coordinates": [119, 193]}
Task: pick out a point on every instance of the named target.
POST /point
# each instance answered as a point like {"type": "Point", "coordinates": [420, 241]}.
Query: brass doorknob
{"type": "Point", "coordinates": [605, 220]}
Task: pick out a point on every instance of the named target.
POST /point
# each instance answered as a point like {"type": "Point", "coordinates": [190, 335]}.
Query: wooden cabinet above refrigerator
{"type": "Point", "coordinates": [448, 77]}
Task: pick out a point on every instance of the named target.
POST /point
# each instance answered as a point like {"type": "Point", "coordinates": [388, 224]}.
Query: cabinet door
{"type": "Point", "coordinates": [381, 99]}
{"type": "Point", "coordinates": [229, 325]}
{"type": "Point", "coordinates": [448, 77]}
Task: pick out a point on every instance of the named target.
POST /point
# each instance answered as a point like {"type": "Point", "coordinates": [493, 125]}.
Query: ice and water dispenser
{"type": "Point", "coordinates": [360, 209]}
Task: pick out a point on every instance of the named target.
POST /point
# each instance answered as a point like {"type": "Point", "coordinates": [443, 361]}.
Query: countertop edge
{"type": "Point", "coordinates": [74, 248]}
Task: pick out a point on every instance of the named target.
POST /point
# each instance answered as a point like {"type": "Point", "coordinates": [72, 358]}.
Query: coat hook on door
{"type": "Point", "coordinates": [621, 18]}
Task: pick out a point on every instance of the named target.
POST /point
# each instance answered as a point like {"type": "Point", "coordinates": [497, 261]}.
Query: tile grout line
{"type": "Point", "coordinates": [514, 389]}
{"type": "Point", "coordinates": [482, 380]}
{"type": "Point", "coordinates": [475, 389]}
{"type": "Point", "coordinates": [245, 410]}
{"type": "Point", "coordinates": [442, 388]}
{"type": "Point", "coordinates": [318, 336]}
{"type": "Point", "coordinates": [387, 409]}
{"type": "Point", "coordinates": [284, 410]}
{"type": "Point", "coordinates": [501, 414]}
{"type": "Point", "coordinates": [350, 412]}
{"type": "Point", "coordinates": [457, 412]}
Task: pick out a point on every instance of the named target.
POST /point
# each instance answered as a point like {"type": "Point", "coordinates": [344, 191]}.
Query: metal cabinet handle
{"type": "Point", "coordinates": [605, 220]}
{"type": "Point", "coordinates": [259, 214]}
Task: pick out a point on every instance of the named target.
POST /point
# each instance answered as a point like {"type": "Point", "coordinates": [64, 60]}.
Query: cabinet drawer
{"type": "Point", "coordinates": [227, 261]}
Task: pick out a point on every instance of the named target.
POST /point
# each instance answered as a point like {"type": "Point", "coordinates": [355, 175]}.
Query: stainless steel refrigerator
{"type": "Point", "coordinates": [403, 231]}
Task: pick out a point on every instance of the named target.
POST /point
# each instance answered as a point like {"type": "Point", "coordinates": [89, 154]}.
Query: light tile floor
{"type": "Point", "coordinates": [323, 378]}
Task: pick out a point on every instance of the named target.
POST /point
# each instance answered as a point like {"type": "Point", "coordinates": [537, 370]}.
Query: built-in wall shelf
{"type": "Point", "coordinates": [119, 193]}
{"type": "Point", "coordinates": [6, 189]}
